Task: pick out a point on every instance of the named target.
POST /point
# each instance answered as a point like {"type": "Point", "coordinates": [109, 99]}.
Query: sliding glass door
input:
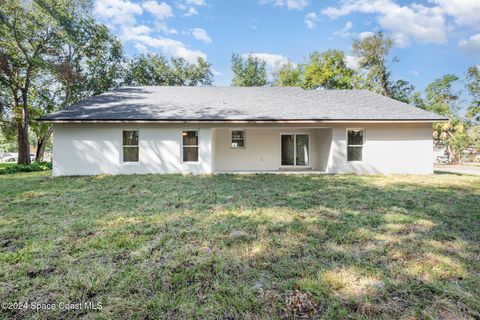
{"type": "Point", "coordinates": [288, 149]}
{"type": "Point", "coordinates": [301, 157]}
{"type": "Point", "coordinates": [295, 149]}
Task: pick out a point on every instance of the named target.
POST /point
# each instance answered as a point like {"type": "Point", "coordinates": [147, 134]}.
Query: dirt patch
{"type": "Point", "coordinates": [45, 272]}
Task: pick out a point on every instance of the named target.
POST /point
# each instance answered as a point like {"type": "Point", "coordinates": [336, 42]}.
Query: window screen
{"type": "Point", "coordinates": [238, 138]}
{"type": "Point", "coordinates": [355, 138]}
{"type": "Point", "coordinates": [130, 145]}
{"type": "Point", "coordinates": [190, 146]}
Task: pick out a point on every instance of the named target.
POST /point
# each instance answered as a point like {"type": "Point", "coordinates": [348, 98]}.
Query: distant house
{"type": "Point", "coordinates": [138, 130]}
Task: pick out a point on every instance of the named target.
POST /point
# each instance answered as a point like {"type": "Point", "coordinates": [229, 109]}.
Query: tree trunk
{"type": "Point", "coordinates": [22, 138]}
{"type": "Point", "coordinates": [451, 155]}
{"type": "Point", "coordinates": [384, 80]}
{"type": "Point", "coordinates": [41, 144]}
{"type": "Point", "coordinates": [21, 119]}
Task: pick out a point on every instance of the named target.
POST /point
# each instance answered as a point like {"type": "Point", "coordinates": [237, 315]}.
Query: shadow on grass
{"type": "Point", "coordinates": [441, 172]}
{"type": "Point", "coordinates": [233, 246]}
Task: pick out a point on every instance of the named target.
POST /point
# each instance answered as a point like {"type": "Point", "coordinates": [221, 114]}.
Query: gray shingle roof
{"type": "Point", "coordinates": [238, 103]}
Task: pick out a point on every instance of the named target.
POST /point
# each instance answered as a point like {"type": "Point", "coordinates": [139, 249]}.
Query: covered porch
{"type": "Point", "coordinates": [267, 149]}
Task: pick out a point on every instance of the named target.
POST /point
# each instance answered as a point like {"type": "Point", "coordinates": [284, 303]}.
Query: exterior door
{"type": "Point", "coordinates": [295, 149]}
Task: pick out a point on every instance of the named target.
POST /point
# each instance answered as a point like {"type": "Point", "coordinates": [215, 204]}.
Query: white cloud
{"type": "Point", "coordinates": [296, 4]}
{"type": "Point", "coordinates": [161, 11]}
{"type": "Point", "coordinates": [200, 3]}
{"type": "Point", "coordinates": [345, 31]}
{"type": "Point", "coordinates": [311, 20]}
{"type": "Point", "coordinates": [217, 73]}
{"type": "Point", "coordinates": [162, 26]}
{"type": "Point", "coordinates": [415, 21]}
{"type": "Point", "coordinates": [141, 48]}
{"type": "Point", "coordinates": [189, 7]}
{"type": "Point", "coordinates": [401, 40]}
{"type": "Point", "coordinates": [290, 4]}
{"type": "Point", "coordinates": [271, 60]}
{"type": "Point", "coordinates": [464, 12]}
{"type": "Point", "coordinates": [351, 62]}
{"type": "Point", "coordinates": [169, 46]}
{"type": "Point", "coordinates": [120, 12]}
{"type": "Point", "coordinates": [132, 32]}
{"type": "Point", "coordinates": [365, 34]}
{"type": "Point", "coordinates": [201, 34]}
{"type": "Point", "coordinates": [191, 12]}
{"type": "Point", "coordinates": [181, 6]}
{"type": "Point", "coordinates": [120, 15]}
{"type": "Point", "coordinates": [471, 45]}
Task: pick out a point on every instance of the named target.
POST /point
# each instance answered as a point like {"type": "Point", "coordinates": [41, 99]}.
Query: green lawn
{"type": "Point", "coordinates": [241, 247]}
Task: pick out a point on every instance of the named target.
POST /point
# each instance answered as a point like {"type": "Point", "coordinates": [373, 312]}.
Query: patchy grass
{"type": "Point", "coordinates": [242, 247]}
{"type": "Point", "coordinates": [8, 168]}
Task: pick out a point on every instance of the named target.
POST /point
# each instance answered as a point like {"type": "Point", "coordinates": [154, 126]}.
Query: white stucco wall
{"type": "Point", "coordinates": [86, 149]}
{"type": "Point", "coordinates": [89, 149]}
{"type": "Point", "coordinates": [262, 150]}
{"type": "Point", "coordinates": [388, 148]}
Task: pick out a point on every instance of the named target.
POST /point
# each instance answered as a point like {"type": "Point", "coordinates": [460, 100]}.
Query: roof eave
{"type": "Point", "coordinates": [299, 121]}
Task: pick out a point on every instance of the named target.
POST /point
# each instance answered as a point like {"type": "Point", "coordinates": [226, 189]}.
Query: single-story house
{"type": "Point", "coordinates": [139, 130]}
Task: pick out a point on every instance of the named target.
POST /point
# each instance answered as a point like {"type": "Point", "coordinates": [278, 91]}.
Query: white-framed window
{"type": "Point", "coordinates": [190, 145]}
{"type": "Point", "coordinates": [238, 139]}
{"type": "Point", "coordinates": [355, 142]}
{"type": "Point", "coordinates": [130, 146]}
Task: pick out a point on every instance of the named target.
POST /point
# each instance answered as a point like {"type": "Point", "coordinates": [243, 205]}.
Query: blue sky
{"type": "Point", "coordinates": [432, 37]}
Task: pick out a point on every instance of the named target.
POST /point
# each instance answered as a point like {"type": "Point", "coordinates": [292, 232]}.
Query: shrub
{"type": "Point", "coordinates": [8, 168]}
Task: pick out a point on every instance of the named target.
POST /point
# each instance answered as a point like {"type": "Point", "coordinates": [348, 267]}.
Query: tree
{"type": "Point", "coordinates": [29, 37]}
{"type": "Point", "coordinates": [402, 90]}
{"type": "Point", "coordinates": [288, 75]}
{"type": "Point", "coordinates": [441, 97]}
{"type": "Point", "coordinates": [249, 72]}
{"type": "Point", "coordinates": [460, 140]}
{"type": "Point", "coordinates": [474, 133]}
{"type": "Point", "coordinates": [155, 70]}
{"type": "Point", "coordinates": [45, 96]}
{"type": "Point", "coordinates": [55, 55]}
{"type": "Point", "coordinates": [88, 62]}
{"type": "Point", "coordinates": [92, 64]}
{"type": "Point", "coordinates": [7, 125]}
{"type": "Point", "coordinates": [191, 74]}
{"type": "Point", "coordinates": [473, 87]}
{"type": "Point", "coordinates": [6, 144]}
{"type": "Point", "coordinates": [148, 70]}
{"type": "Point", "coordinates": [325, 69]}
{"type": "Point", "coordinates": [372, 53]}
{"type": "Point", "coordinates": [417, 101]}
{"type": "Point", "coordinates": [454, 136]}
{"type": "Point", "coordinates": [328, 70]}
